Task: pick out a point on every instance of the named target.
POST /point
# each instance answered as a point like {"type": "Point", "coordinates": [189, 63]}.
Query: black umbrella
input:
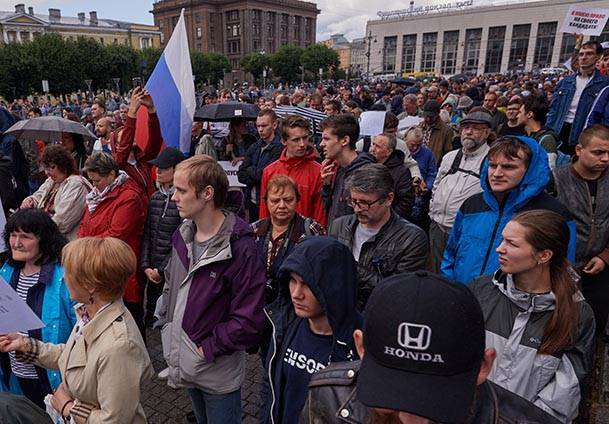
{"type": "Point", "coordinates": [48, 128]}
{"type": "Point", "coordinates": [408, 82]}
{"type": "Point", "coordinates": [227, 111]}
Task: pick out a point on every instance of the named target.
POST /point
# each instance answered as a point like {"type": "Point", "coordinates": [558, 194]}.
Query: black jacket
{"type": "Point", "coordinates": [399, 246]}
{"type": "Point", "coordinates": [335, 196]}
{"type": "Point", "coordinates": [402, 184]}
{"type": "Point", "coordinates": [314, 259]}
{"type": "Point", "coordinates": [162, 220]}
{"type": "Point", "coordinates": [333, 399]}
{"type": "Point", "coordinates": [8, 186]}
{"type": "Point", "coordinates": [256, 159]}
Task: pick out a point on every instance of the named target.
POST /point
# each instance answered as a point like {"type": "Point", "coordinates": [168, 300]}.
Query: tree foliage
{"type": "Point", "coordinates": [319, 56]}
{"type": "Point", "coordinates": [67, 63]}
{"type": "Point", "coordinates": [254, 63]}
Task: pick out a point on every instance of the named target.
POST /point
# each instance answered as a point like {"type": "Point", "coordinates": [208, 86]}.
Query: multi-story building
{"type": "Point", "coordinates": [239, 27]}
{"type": "Point", "coordinates": [19, 26]}
{"type": "Point", "coordinates": [460, 37]}
{"type": "Point", "coordinates": [358, 57]}
{"type": "Point", "coordinates": [342, 46]}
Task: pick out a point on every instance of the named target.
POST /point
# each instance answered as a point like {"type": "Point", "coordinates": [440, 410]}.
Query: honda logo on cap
{"type": "Point", "coordinates": [414, 336]}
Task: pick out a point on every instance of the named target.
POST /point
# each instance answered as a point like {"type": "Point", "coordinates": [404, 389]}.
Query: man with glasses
{"type": "Point", "coordinates": [458, 178]}
{"type": "Point", "coordinates": [512, 125]}
{"type": "Point", "coordinates": [382, 243]}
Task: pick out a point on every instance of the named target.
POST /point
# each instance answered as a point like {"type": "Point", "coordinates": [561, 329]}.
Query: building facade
{"type": "Point", "coordinates": [358, 57]}
{"type": "Point", "coordinates": [21, 25]}
{"type": "Point", "coordinates": [239, 27]}
{"type": "Point", "coordinates": [512, 37]}
{"type": "Point", "coordinates": [342, 46]}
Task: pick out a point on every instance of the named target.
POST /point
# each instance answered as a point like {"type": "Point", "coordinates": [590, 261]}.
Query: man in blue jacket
{"type": "Point", "coordinates": [574, 96]}
{"type": "Point", "coordinates": [313, 320]}
{"type": "Point", "coordinates": [266, 150]}
{"type": "Point", "coordinates": [513, 179]}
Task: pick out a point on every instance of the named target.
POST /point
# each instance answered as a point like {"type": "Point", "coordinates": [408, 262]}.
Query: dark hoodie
{"type": "Point", "coordinates": [335, 287]}
{"type": "Point", "coordinates": [402, 184]}
{"type": "Point", "coordinates": [336, 196]}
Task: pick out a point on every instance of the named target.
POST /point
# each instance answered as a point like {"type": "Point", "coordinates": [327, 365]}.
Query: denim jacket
{"type": "Point", "coordinates": [561, 101]}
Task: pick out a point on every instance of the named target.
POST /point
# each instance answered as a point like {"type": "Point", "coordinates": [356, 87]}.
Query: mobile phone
{"type": "Point", "coordinates": [137, 82]}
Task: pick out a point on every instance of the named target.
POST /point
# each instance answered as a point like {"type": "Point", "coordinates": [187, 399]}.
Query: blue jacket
{"type": "Point", "coordinates": [470, 251]}
{"type": "Point", "coordinates": [563, 95]}
{"type": "Point", "coordinates": [50, 300]}
{"type": "Point", "coordinates": [334, 287]}
{"type": "Point", "coordinates": [599, 114]}
{"type": "Point", "coordinates": [427, 165]}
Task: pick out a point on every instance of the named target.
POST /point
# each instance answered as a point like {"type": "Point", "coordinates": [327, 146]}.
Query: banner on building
{"type": "Point", "coordinates": [585, 20]}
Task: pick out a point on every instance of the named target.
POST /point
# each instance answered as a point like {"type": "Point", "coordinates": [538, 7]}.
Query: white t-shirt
{"type": "Point", "coordinates": [362, 235]}
{"type": "Point", "coordinates": [580, 84]}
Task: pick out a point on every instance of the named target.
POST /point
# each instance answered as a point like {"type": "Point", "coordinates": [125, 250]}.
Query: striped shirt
{"type": "Point", "coordinates": [21, 370]}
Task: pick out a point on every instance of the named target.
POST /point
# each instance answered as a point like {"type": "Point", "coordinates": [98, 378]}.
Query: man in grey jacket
{"type": "Point", "coordinates": [382, 243]}
{"type": "Point", "coordinates": [583, 187]}
{"type": "Point", "coordinates": [458, 178]}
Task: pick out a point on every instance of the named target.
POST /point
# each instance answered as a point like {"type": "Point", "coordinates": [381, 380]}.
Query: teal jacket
{"type": "Point", "coordinates": [54, 308]}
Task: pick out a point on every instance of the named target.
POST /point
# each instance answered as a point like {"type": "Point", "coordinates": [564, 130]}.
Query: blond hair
{"type": "Point", "coordinates": [103, 265]}
{"type": "Point", "coordinates": [203, 171]}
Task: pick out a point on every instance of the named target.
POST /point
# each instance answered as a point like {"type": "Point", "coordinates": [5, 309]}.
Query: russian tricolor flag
{"type": "Point", "coordinates": [172, 88]}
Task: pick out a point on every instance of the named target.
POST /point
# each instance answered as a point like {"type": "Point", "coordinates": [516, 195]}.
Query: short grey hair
{"type": "Point", "coordinates": [392, 140]}
{"type": "Point", "coordinates": [410, 97]}
{"type": "Point", "coordinates": [371, 178]}
{"type": "Point", "coordinates": [414, 132]}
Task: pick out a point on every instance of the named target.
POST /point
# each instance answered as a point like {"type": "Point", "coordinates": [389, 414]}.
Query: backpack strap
{"type": "Point", "coordinates": [455, 166]}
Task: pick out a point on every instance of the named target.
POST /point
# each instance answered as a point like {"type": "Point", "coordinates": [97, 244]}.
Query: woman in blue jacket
{"type": "Point", "coordinates": [32, 269]}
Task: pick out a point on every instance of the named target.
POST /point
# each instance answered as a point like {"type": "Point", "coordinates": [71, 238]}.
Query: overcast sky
{"type": "Point", "coordinates": [337, 16]}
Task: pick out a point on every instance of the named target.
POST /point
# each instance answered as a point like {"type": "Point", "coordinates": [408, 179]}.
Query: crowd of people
{"type": "Point", "coordinates": [451, 267]}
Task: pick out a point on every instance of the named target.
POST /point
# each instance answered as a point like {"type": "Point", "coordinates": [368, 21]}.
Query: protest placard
{"type": "Point", "coordinates": [585, 20]}
{"type": "Point", "coordinates": [15, 314]}
{"type": "Point", "coordinates": [231, 173]}
{"type": "Point", "coordinates": [371, 123]}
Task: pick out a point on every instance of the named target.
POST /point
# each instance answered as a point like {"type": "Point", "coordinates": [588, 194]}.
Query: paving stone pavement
{"type": "Point", "coordinates": [164, 405]}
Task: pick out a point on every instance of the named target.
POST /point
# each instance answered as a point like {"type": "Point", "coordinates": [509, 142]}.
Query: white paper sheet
{"type": "Point", "coordinates": [371, 123]}
{"type": "Point", "coordinates": [585, 20]}
{"type": "Point", "coordinates": [15, 314]}
{"type": "Point", "coordinates": [231, 172]}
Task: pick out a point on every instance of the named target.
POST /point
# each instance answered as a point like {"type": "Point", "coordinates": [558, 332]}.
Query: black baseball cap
{"type": "Point", "coordinates": [424, 343]}
{"type": "Point", "coordinates": [431, 108]}
{"type": "Point", "coordinates": [168, 158]}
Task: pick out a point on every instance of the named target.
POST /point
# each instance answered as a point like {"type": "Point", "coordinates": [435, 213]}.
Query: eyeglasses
{"type": "Point", "coordinates": [363, 205]}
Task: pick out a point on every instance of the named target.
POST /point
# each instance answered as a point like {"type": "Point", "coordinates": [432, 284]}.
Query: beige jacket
{"type": "Point", "coordinates": [104, 369]}
{"type": "Point", "coordinates": [69, 204]}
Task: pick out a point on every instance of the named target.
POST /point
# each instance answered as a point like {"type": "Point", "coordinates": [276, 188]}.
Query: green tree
{"type": "Point", "coordinates": [287, 61]}
{"type": "Point", "coordinates": [254, 63]}
{"type": "Point", "coordinates": [147, 59]}
{"type": "Point", "coordinates": [119, 61]}
{"type": "Point", "coordinates": [318, 56]}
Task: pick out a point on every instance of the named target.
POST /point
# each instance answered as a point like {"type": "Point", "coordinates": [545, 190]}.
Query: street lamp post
{"type": "Point", "coordinates": [369, 41]}
{"type": "Point", "coordinates": [117, 82]}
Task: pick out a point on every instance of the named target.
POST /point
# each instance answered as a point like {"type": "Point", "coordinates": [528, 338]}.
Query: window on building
{"type": "Point", "coordinates": [199, 47]}
{"type": "Point", "coordinates": [270, 16]}
{"type": "Point", "coordinates": [428, 58]}
{"type": "Point", "coordinates": [284, 18]}
{"type": "Point", "coordinates": [409, 51]}
{"type": "Point", "coordinates": [519, 46]}
{"type": "Point", "coordinates": [162, 37]}
{"type": "Point", "coordinates": [284, 31]}
{"type": "Point", "coordinates": [297, 33]}
{"type": "Point", "coordinates": [471, 54]}
{"type": "Point", "coordinates": [234, 46]}
{"type": "Point", "coordinates": [144, 42]}
{"type": "Point", "coordinates": [449, 52]}
{"type": "Point", "coordinates": [270, 30]}
{"type": "Point", "coordinates": [255, 29]}
{"type": "Point", "coordinates": [567, 47]}
{"type": "Point", "coordinates": [256, 45]}
{"type": "Point", "coordinates": [232, 15]}
{"type": "Point", "coordinates": [234, 63]}
{"type": "Point", "coordinates": [270, 46]}
{"type": "Point", "coordinates": [256, 15]}
{"type": "Point", "coordinates": [197, 18]}
{"type": "Point", "coordinates": [494, 50]}
{"type": "Point", "coordinates": [390, 45]}
{"type": "Point", "coordinates": [174, 21]}
{"type": "Point", "coordinates": [544, 47]}
{"type": "Point", "coordinates": [199, 32]}
{"type": "Point", "coordinates": [233, 30]}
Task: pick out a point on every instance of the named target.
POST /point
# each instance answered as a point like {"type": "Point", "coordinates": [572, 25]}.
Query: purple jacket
{"type": "Point", "coordinates": [214, 303]}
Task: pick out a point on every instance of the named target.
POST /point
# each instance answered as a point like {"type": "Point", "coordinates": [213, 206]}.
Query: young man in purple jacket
{"type": "Point", "coordinates": [211, 308]}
